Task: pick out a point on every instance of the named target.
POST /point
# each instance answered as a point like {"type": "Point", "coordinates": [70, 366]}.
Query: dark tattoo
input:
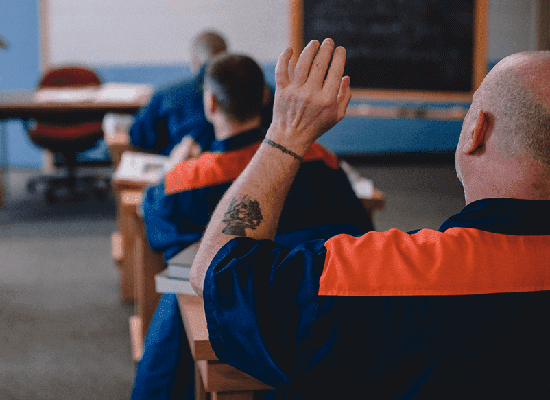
{"type": "Point", "coordinates": [283, 149]}
{"type": "Point", "coordinates": [242, 215]}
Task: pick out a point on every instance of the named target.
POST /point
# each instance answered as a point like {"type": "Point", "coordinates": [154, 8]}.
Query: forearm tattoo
{"type": "Point", "coordinates": [283, 149]}
{"type": "Point", "coordinates": [241, 215]}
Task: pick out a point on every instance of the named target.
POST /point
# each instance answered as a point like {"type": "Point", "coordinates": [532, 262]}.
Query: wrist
{"type": "Point", "coordinates": [287, 143]}
{"type": "Point", "coordinates": [282, 149]}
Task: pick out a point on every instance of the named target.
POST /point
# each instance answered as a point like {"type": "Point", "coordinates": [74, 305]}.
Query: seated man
{"type": "Point", "coordinates": [177, 210]}
{"type": "Point", "coordinates": [456, 313]}
{"type": "Point", "coordinates": [173, 123]}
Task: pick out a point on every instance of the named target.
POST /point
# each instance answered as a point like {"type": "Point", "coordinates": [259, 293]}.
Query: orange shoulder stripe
{"type": "Point", "coordinates": [209, 169]}
{"type": "Point", "coordinates": [455, 262]}
{"type": "Point", "coordinates": [319, 152]}
{"type": "Point", "coordinates": [217, 168]}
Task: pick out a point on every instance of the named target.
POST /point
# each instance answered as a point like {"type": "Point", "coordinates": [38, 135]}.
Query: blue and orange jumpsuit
{"type": "Point", "coordinates": [320, 204]}
{"type": "Point", "coordinates": [461, 312]}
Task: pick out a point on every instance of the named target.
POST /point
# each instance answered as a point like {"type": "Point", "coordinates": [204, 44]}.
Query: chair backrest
{"type": "Point", "coordinates": [73, 76]}
{"type": "Point", "coordinates": [68, 133]}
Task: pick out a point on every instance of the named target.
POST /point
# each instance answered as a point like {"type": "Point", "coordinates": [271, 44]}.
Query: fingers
{"type": "Point", "coordinates": [334, 75]}
{"type": "Point", "coordinates": [303, 66]}
{"type": "Point", "coordinates": [344, 97]}
{"type": "Point", "coordinates": [281, 69]}
{"type": "Point", "coordinates": [320, 63]}
{"type": "Point", "coordinates": [312, 66]}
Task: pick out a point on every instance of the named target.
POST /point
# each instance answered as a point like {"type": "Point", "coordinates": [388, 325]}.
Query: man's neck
{"type": "Point", "coordinates": [519, 179]}
{"type": "Point", "coordinates": [224, 128]}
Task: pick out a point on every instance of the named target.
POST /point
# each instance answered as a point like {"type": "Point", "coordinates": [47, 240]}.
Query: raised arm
{"type": "Point", "coordinates": [308, 102]}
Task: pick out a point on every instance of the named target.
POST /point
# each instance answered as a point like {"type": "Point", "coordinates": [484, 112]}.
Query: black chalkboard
{"type": "Point", "coordinates": [407, 45]}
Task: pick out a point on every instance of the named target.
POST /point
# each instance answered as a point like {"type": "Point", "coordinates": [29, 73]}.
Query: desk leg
{"type": "Point", "coordinates": [147, 263]}
{"type": "Point", "coordinates": [233, 396]}
{"type": "Point", "coordinates": [126, 263]}
{"type": "Point", "coordinates": [200, 392]}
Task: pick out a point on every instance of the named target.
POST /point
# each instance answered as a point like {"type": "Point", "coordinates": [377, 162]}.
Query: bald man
{"type": "Point", "coordinates": [456, 313]}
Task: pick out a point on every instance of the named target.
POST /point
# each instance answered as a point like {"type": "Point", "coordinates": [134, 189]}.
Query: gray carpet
{"type": "Point", "coordinates": [63, 331]}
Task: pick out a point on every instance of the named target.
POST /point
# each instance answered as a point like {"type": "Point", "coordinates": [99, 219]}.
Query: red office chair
{"type": "Point", "coordinates": [65, 135]}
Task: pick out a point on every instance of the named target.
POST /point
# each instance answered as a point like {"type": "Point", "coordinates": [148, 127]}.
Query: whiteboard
{"type": "Point", "coordinates": [158, 32]}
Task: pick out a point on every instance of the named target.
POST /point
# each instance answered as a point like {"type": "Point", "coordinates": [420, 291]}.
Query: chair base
{"type": "Point", "coordinates": [70, 189]}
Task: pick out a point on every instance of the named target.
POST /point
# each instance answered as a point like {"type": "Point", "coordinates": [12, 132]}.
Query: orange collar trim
{"type": "Point", "coordinates": [218, 168]}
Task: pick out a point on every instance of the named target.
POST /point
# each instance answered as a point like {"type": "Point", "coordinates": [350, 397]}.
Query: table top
{"type": "Point", "coordinates": [119, 98]}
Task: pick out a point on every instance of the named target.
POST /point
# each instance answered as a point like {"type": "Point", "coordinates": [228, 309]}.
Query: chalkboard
{"type": "Point", "coordinates": [409, 46]}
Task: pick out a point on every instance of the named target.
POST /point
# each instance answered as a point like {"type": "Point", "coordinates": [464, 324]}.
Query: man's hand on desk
{"type": "Point", "coordinates": [184, 151]}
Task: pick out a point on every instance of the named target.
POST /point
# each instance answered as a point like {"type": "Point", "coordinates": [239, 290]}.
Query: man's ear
{"type": "Point", "coordinates": [210, 104]}
{"type": "Point", "coordinates": [267, 95]}
{"type": "Point", "coordinates": [478, 134]}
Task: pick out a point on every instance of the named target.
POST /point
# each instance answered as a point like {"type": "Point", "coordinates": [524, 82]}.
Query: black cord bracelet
{"type": "Point", "coordinates": [283, 149]}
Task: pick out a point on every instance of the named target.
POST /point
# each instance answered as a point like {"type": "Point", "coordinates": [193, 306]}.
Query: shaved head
{"type": "Point", "coordinates": [504, 145]}
{"type": "Point", "coordinates": [516, 95]}
{"type": "Point", "coordinates": [206, 45]}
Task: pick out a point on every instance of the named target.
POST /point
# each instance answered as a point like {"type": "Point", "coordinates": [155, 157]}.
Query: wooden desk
{"type": "Point", "coordinates": [29, 104]}
{"type": "Point", "coordinates": [375, 203]}
{"type": "Point", "coordinates": [222, 381]}
{"type": "Point", "coordinates": [138, 263]}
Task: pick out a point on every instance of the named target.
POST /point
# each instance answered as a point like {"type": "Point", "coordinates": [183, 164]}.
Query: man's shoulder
{"type": "Point", "coordinates": [209, 169]}
{"type": "Point", "coordinates": [317, 152]}
{"type": "Point", "coordinates": [173, 90]}
{"type": "Point", "coordinates": [457, 261]}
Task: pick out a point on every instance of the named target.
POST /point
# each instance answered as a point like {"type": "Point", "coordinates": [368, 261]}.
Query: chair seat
{"type": "Point", "coordinates": [63, 139]}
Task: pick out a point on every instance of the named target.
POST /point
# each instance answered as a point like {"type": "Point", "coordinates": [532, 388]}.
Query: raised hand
{"type": "Point", "coordinates": [309, 101]}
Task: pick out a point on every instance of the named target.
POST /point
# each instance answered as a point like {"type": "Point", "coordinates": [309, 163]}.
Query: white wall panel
{"type": "Point", "coordinates": [112, 32]}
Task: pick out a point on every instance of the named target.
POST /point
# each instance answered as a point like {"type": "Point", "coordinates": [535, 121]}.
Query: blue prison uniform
{"type": "Point", "coordinates": [172, 113]}
{"type": "Point", "coordinates": [456, 313]}
{"type": "Point", "coordinates": [175, 112]}
{"type": "Point", "coordinates": [321, 204]}
{"type": "Point", "coordinates": [177, 210]}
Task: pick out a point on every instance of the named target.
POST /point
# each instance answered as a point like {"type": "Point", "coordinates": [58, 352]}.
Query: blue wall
{"type": "Point", "coordinates": [19, 69]}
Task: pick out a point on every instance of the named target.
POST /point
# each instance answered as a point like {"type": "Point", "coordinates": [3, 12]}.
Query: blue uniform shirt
{"type": "Point", "coordinates": [455, 313]}
{"type": "Point", "coordinates": [175, 112]}
{"type": "Point", "coordinates": [177, 210]}
{"type": "Point", "coordinates": [172, 113]}
{"type": "Point", "coordinates": [321, 204]}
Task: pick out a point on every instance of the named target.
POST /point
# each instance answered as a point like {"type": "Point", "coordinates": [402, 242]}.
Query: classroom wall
{"type": "Point", "coordinates": [19, 69]}
{"type": "Point", "coordinates": [260, 31]}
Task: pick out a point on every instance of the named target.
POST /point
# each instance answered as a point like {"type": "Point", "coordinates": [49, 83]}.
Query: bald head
{"type": "Point", "coordinates": [207, 45]}
{"type": "Point", "coordinates": [516, 96]}
{"type": "Point", "coordinates": [504, 145]}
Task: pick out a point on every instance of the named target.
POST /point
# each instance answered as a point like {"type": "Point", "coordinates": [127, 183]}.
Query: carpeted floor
{"type": "Point", "coordinates": [63, 331]}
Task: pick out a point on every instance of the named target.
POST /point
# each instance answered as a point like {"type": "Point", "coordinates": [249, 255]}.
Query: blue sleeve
{"type": "Point", "coordinates": [144, 131]}
{"type": "Point", "coordinates": [166, 226]}
{"type": "Point", "coordinates": [203, 134]}
{"type": "Point", "coordinates": [259, 300]}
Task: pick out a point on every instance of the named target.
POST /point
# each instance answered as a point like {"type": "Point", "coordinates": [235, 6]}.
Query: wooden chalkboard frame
{"type": "Point", "coordinates": [479, 54]}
